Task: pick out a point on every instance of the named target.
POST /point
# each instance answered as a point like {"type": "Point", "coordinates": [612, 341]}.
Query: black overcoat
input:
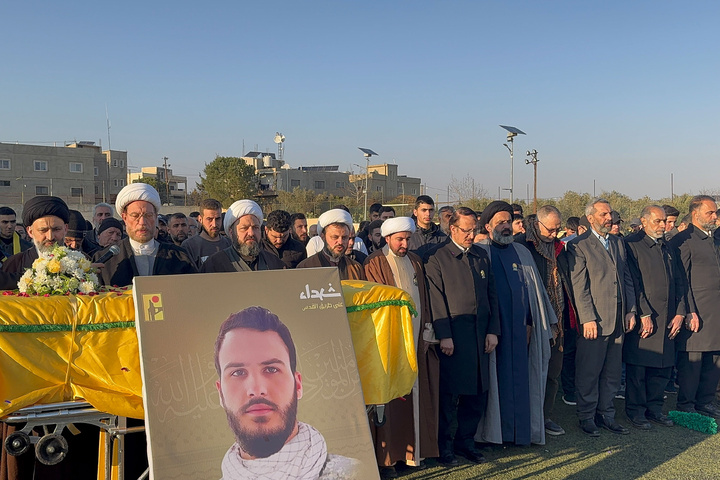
{"type": "Point", "coordinates": [659, 287]}
{"type": "Point", "coordinates": [464, 308]}
{"type": "Point", "coordinates": [120, 269]}
{"type": "Point", "coordinates": [699, 256]}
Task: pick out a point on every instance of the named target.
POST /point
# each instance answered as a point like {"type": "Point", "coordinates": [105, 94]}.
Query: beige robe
{"type": "Point", "coordinates": [414, 417]}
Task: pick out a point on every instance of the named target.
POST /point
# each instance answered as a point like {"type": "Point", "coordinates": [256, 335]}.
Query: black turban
{"type": "Point", "coordinates": [109, 223]}
{"type": "Point", "coordinates": [44, 206]}
{"type": "Point", "coordinates": [76, 225]}
{"type": "Point", "coordinates": [494, 208]}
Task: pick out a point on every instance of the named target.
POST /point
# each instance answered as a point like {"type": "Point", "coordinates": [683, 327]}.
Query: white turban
{"type": "Point", "coordinates": [336, 215]}
{"type": "Point", "coordinates": [240, 209]}
{"type": "Point", "coordinates": [137, 191]}
{"type": "Point", "coordinates": [397, 224]}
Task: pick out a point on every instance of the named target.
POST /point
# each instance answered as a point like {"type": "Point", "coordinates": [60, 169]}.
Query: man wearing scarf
{"type": "Point", "coordinates": [242, 224]}
{"type": "Point", "coordinates": [410, 432]}
{"type": "Point", "coordinates": [336, 225]}
{"type": "Point", "coordinates": [10, 241]}
{"type": "Point", "coordinates": [550, 258]}
{"type": "Point", "coordinates": [140, 254]}
{"type": "Point", "coordinates": [518, 389]}
{"type": "Point", "coordinates": [270, 442]}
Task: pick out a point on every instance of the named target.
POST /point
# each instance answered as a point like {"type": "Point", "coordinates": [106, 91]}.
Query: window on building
{"type": "Point", "coordinates": [172, 187]}
{"type": "Point", "coordinates": [41, 166]}
{"type": "Point", "coordinates": [319, 184]}
{"type": "Point", "coordinates": [96, 171]}
{"type": "Point", "coordinates": [76, 167]}
{"type": "Point", "coordinates": [122, 163]}
{"type": "Point", "coordinates": [294, 183]}
{"type": "Point", "coordinates": [76, 192]}
{"type": "Point", "coordinates": [4, 164]}
{"type": "Point", "coordinates": [115, 183]}
{"type": "Point", "coordinates": [339, 184]}
{"type": "Point", "coordinates": [378, 188]}
{"type": "Point", "coordinates": [4, 183]}
{"type": "Point", "coordinates": [41, 190]}
{"type": "Point", "coordinates": [122, 182]}
{"type": "Point", "coordinates": [97, 190]}
{"type": "Point", "coordinates": [115, 163]}
{"type": "Point", "coordinates": [414, 191]}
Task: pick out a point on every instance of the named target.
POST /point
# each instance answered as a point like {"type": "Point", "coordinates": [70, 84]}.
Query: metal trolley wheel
{"type": "Point", "coordinates": [51, 449]}
{"type": "Point", "coordinates": [17, 443]}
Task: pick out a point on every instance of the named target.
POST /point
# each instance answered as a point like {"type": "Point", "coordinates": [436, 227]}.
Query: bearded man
{"type": "Point", "coordinates": [178, 228]}
{"type": "Point", "coordinates": [140, 254]}
{"type": "Point", "coordinates": [336, 226]}
{"type": "Point", "coordinates": [279, 241]}
{"type": "Point", "coordinates": [270, 442]}
{"type": "Point", "coordinates": [47, 220]}
{"type": "Point", "coordinates": [410, 432]}
{"type": "Point", "coordinates": [242, 224]}
{"type": "Point", "coordinates": [11, 242]}
{"type": "Point", "coordinates": [209, 242]}
{"type": "Point", "coordinates": [523, 351]}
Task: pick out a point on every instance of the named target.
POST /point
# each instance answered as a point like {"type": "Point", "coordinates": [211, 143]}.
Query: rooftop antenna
{"type": "Point", "coordinates": [280, 140]}
{"type": "Point", "coordinates": [107, 119]}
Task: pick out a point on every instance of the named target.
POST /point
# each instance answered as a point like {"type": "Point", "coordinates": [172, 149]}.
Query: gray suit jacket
{"type": "Point", "coordinates": [595, 274]}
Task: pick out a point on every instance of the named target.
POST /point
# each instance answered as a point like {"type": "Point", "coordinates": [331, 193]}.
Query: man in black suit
{"type": "Point", "coordinates": [605, 303]}
{"type": "Point", "coordinates": [699, 343]}
{"type": "Point", "coordinates": [649, 349]}
{"type": "Point", "coordinates": [466, 321]}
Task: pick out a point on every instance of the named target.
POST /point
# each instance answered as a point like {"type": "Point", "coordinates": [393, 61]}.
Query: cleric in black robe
{"type": "Point", "coordinates": [140, 254]}
{"type": "Point", "coordinates": [49, 212]}
{"type": "Point", "coordinates": [242, 223]}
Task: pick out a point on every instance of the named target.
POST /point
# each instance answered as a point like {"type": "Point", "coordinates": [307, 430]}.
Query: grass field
{"type": "Point", "coordinates": [662, 453]}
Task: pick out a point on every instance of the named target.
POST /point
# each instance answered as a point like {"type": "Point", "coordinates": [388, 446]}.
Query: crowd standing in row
{"type": "Point", "coordinates": [507, 310]}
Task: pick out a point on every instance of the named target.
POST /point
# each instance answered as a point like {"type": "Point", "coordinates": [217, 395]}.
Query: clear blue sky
{"type": "Point", "coordinates": [623, 93]}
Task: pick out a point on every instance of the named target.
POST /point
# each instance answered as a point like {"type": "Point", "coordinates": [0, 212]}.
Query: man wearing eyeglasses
{"type": "Point", "coordinates": [465, 319]}
{"type": "Point", "coordinates": [540, 238]}
{"type": "Point", "coordinates": [140, 254]}
{"type": "Point", "coordinates": [522, 355]}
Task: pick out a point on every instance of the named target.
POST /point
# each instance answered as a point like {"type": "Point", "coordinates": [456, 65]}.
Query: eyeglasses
{"type": "Point", "coordinates": [136, 216]}
{"type": "Point", "coordinates": [466, 232]}
{"type": "Point", "coordinates": [550, 230]}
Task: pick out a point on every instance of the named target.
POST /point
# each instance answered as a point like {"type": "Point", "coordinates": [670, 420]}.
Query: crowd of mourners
{"type": "Point", "coordinates": [514, 312]}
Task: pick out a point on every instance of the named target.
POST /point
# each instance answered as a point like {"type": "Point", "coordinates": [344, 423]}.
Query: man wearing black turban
{"type": "Point", "coordinates": [46, 220]}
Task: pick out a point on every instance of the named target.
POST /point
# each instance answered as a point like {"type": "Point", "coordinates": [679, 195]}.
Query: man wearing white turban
{"type": "Point", "coordinates": [242, 225]}
{"type": "Point", "coordinates": [140, 254]}
{"type": "Point", "coordinates": [410, 432]}
{"type": "Point", "coordinates": [336, 226]}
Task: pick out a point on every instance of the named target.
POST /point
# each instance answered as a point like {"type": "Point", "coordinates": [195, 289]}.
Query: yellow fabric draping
{"type": "Point", "coordinates": [63, 348]}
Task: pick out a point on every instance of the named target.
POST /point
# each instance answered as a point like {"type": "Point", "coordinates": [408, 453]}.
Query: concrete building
{"type": "Point", "coordinates": [176, 184]}
{"type": "Point", "coordinates": [385, 184]}
{"type": "Point", "coordinates": [80, 173]}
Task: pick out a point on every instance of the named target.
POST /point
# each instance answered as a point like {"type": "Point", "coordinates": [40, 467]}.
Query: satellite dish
{"type": "Point", "coordinates": [279, 137]}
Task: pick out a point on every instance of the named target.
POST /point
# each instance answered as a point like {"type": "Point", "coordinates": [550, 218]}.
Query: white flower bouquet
{"type": "Point", "coordinates": [60, 271]}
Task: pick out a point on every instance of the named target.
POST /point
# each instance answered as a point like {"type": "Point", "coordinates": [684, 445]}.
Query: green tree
{"type": "Point", "coordinates": [157, 185]}
{"type": "Point", "coordinates": [228, 179]}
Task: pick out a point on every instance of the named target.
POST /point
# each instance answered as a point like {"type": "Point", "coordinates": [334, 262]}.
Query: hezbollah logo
{"type": "Point", "coordinates": [153, 307]}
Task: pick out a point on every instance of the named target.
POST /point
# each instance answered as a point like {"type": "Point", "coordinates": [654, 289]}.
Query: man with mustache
{"type": "Point", "coordinates": [259, 388]}
{"type": "Point", "coordinates": [605, 302]}
{"type": "Point", "coordinates": [140, 254]}
{"type": "Point", "coordinates": [242, 224]}
{"type": "Point", "coordinates": [336, 225]}
{"type": "Point", "coordinates": [209, 241]}
{"type": "Point", "coordinates": [47, 220]}
{"type": "Point", "coordinates": [523, 351]}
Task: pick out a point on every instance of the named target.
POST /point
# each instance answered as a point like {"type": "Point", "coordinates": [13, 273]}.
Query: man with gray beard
{"type": "Point", "coordinates": [242, 224]}
{"type": "Point", "coordinates": [523, 351]}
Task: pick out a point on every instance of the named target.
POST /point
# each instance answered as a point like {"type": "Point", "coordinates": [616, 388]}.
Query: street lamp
{"type": "Point", "coordinates": [512, 133]}
{"type": "Point", "coordinates": [534, 160]}
{"type": "Point", "coordinates": [367, 153]}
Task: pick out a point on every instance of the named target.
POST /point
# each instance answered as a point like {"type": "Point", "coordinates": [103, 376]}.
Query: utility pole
{"type": "Point", "coordinates": [167, 182]}
{"type": "Point", "coordinates": [534, 160]}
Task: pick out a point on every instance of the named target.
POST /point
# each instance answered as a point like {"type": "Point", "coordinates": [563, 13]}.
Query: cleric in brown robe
{"type": "Point", "coordinates": [336, 226]}
{"type": "Point", "coordinates": [242, 224]}
{"type": "Point", "coordinates": [410, 432]}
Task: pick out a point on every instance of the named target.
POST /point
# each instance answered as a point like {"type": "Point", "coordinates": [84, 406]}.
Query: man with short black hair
{"type": "Point", "coordinates": [10, 241]}
{"type": "Point", "coordinates": [299, 228]}
{"type": "Point", "coordinates": [375, 211]}
{"type": "Point", "coordinates": [672, 214]}
{"type": "Point", "coordinates": [517, 209]}
{"type": "Point", "coordinates": [375, 236]}
{"type": "Point", "coordinates": [571, 229]}
{"type": "Point", "coordinates": [209, 242]}
{"type": "Point", "coordinates": [427, 232]}
{"type": "Point", "coordinates": [178, 229]}
{"type": "Point", "coordinates": [387, 212]}
{"type": "Point", "coordinates": [280, 242]}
